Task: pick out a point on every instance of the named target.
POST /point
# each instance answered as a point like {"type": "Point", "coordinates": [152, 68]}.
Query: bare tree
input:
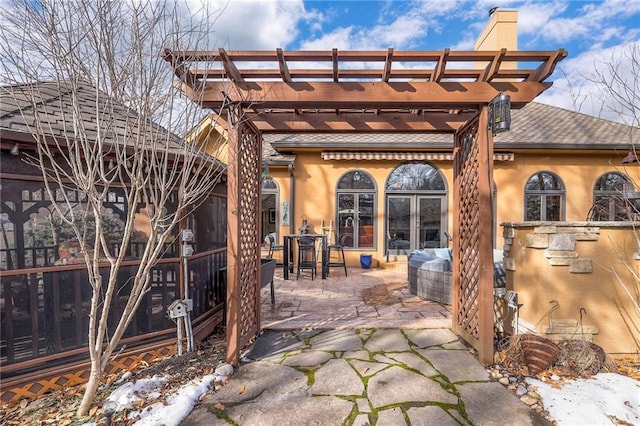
{"type": "Point", "coordinates": [619, 81]}
{"type": "Point", "coordinates": [102, 59]}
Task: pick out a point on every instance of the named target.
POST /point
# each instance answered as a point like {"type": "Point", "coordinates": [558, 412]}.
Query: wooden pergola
{"type": "Point", "coordinates": [445, 91]}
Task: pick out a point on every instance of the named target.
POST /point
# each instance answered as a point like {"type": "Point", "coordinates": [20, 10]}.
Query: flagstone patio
{"type": "Point", "coordinates": [366, 298]}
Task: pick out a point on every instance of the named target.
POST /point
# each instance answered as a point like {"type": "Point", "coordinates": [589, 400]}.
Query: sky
{"type": "Point", "coordinates": [593, 32]}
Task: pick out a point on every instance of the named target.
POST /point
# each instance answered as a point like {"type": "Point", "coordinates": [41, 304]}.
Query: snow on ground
{"type": "Point", "coordinates": [178, 405]}
{"type": "Point", "coordinates": [603, 399]}
{"type": "Point", "coordinates": [169, 410]}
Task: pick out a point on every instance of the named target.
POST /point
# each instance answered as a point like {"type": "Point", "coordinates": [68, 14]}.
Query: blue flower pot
{"type": "Point", "coordinates": [365, 261]}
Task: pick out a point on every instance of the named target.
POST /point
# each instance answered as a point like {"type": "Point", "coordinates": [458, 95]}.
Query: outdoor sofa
{"type": "Point", "coordinates": [430, 274]}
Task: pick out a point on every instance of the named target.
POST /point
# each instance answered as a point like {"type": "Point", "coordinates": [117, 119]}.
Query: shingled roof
{"type": "Point", "coordinates": [54, 107]}
{"type": "Point", "coordinates": [535, 126]}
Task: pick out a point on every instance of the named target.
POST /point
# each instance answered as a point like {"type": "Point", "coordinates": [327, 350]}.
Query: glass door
{"type": "Point", "coordinates": [399, 224]}
{"type": "Point", "coordinates": [414, 222]}
{"type": "Point", "coordinates": [429, 222]}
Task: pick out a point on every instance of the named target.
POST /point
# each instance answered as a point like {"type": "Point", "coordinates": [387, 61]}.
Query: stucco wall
{"type": "Point", "coordinates": [315, 196]}
{"type": "Point", "coordinates": [578, 173]}
{"type": "Point", "coordinates": [315, 182]}
{"type": "Point", "coordinates": [571, 266]}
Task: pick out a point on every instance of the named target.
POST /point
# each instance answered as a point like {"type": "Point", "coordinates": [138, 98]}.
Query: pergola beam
{"type": "Point", "coordinates": [366, 95]}
{"type": "Point", "coordinates": [438, 72]}
{"type": "Point", "coordinates": [386, 73]}
{"type": "Point", "coordinates": [358, 122]}
{"type": "Point", "coordinates": [374, 65]}
{"type": "Point", "coordinates": [492, 68]}
{"type": "Point", "coordinates": [230, 68]}
{"type": "Point", "coordinates": [282, 63]}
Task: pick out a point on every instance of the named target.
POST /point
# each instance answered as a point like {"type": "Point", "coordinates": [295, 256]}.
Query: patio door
{"type": "Point", "coordinates": [415, 222]}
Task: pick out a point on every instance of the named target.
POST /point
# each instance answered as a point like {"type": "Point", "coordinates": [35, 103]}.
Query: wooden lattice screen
{"type": "Point", "coordinates": [243, 262]}
{"type": "Point", "coordinates": [473, 245]}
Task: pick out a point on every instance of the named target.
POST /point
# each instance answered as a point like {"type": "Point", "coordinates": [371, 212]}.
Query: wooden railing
{"type": "Point", "coordinates": [45, 310]}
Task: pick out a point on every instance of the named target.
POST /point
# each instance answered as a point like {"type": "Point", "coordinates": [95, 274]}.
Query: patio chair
{"type": "Point", "coordinates": [307, 256]}
{"type": "Point", "coordinates": [339, 248]}
{"type": "Point", "coordinates": [274, 247]}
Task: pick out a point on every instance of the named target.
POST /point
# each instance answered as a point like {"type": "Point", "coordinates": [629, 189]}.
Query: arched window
{"type": "Point", "coordinates": [415, 177]}
{"type": "Point", "coordinates": [356, 209]}
{"type": "Point", "coordinates": [544, 197]}
{"type": "Point", "coordinates": [270, 195]}
{"type": "Point", "coordinates": [610, 202]}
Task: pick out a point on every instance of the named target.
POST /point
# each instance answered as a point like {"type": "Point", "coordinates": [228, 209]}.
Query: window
{"type": "Point", "coordinates": [356, 193]}
{"type": "Point", "coordinates": [544, 197]}
{"type": "Point", "coordinates": [609, 198]}
{"type": "Point", "coordinates": [209, 224]}
{"type": "Point", "coordinates": [415, 177]}
{"type": "Point", "coordinates": [269, 215]}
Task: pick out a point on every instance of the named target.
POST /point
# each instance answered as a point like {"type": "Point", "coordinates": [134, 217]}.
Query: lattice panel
{"type": "Point", "coordinates": [249, 175]}
{"type": "Point", "coordinates": [36, 385]}
{"type": "Point", "coordinates": [467, 315]}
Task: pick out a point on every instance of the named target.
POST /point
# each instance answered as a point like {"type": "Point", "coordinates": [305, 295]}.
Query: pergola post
{"type": "Point", "coordinates": [233, 289]}
{"type": "Point", "coordinates": [473, 236]}
{"type": "Point", "coordinates": [243, 233]}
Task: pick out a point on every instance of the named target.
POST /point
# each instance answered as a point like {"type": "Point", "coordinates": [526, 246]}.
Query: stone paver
{"type": "Point", "coordinates": [366, 368]}
{"type": "Point", "coordinates": [256, 378]}
{"type": "Point", "coordinates": [432, 415]}
{"type": "Point", "coordinates": [362, 420]}
{"type": "Point", "coordinates": [292, 410]}
{"type": "Point", "coordinates": [337, 377]}
{"type": "Point", "coordinates": [504, 405]}
{"type": "Point", "coordinates": [307, 359]}
{"type": "Point", "coordinates": [427, 338]}
{"type": "Point", "coordinates": [458, 366]}
{"type": "Point", "coordinates": [337, 340]}
{"type": "Point", "coordinates": [415, 362]}
{"type": "Point", "coordinates": [374, 298]}
{"type": "Point", "coordinates": [387, 341]}
{"type": "Point", "coordinates": [398, 385]}
{"type": "Point", "coordinates": [391, 417]}
{"type": "Point", "coordinates": [358, 350]}
{"type": "Point", "coordinates": [337, 387]}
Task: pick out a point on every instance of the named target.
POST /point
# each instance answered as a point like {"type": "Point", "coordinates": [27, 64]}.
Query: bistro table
{"type": "Point", "coordinates": [287, 256]}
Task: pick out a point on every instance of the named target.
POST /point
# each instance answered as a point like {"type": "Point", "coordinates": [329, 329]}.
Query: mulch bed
{"type": "Point", "coordinates": [59, 407]}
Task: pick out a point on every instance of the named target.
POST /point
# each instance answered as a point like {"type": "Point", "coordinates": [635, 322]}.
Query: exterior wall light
{"type": "Point", "coordinates": [500, 114]}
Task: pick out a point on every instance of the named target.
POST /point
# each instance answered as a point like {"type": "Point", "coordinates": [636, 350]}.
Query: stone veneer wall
{"type": "Point", "coordinates": [566, 272]}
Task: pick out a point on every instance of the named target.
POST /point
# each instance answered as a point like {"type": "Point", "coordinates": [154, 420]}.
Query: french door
{"type": "Point", "coordinates": [415, 222]}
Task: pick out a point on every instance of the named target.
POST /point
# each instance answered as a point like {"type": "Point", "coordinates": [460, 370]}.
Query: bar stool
{"type": "Point", "coordinates": [338, 247]}
{"type": "Point", "coordinates": [307, 257]}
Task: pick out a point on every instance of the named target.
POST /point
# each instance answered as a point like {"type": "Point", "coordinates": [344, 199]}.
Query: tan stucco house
{"type": "Point", "coordinates": [392, 193]}
{"type": "Point", "coordinates": [563, 192]}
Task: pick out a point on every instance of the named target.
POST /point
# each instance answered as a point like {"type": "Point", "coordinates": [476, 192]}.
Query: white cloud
{"type": "Point", "coordinates": [575, 88]}
{"type": "Point", "coordinates": [259, 24]}
{"type": "Point", "coordinates": [595, 22]}
{"type": "Point", "coordinates": [532, 17]}
{"type": "Point", "coordinates": [345, 38]}
{"type": "Point", "coordinates": [402, 32]}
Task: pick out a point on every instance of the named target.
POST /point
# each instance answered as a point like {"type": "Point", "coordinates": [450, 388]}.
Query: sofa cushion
{"type": "Point", "coordinates": [444, 253]}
